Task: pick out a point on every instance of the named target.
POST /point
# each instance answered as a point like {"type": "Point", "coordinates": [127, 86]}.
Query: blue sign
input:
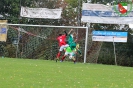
{"type": "Point", "coordinates": [109, 33]}
{"type": "Point", "coordinates": [96, 13]}
{"type": "Point", "coordinates": [3, 31]}
{"type": "Point", "coordinates": [109, 36]}
{"type": "Point", "coordinates": [103, 13]}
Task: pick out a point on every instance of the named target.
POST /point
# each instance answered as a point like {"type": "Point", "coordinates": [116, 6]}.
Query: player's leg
{"type": "Point", "coordinates": [66, 54]}
{"type": "Point", "coordinates": [60, 50]}
{"type": "Point", "coordinates": [58, 55]}
{"type": "Point", "coordinates": [73, 56]}
{"type": "Point", "coordinates": [74, 59]}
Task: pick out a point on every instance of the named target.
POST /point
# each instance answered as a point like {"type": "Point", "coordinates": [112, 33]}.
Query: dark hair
{"type": "Point", "coordinates": [60, 34]}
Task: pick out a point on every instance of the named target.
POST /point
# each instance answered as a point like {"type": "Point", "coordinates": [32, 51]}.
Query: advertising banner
{"type": "Point", "coordinates": [41, 13]}
{"type": "Point", "coordinates": [109, 36]}
{"type": "Point", "coordinates": [99, 13]}
{"type": "Point", "coordinates": [3, 30]}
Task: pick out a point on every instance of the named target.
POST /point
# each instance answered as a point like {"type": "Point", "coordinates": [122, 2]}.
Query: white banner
{"type": "Point", "coordinates": [41, 13]}
{"type": "Point", "coordinates": [99, 13]}
{"type": "Point", "coordinates": [109, 39]}
{"type": "Point", "coordinates": [131, 25]}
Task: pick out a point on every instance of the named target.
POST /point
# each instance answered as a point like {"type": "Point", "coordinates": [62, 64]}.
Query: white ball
{"type": "Point", "coordinates": [70, 57]}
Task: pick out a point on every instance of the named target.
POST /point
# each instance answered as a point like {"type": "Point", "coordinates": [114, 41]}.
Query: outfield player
{"type": "Point", "coordinates": [71, 37]}
{"type": "Point", "coordinates": [62, 43]}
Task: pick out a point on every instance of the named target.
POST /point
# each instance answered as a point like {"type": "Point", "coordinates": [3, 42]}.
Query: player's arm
{"type": "Point", "coordinates": [70, 31]}
{"type": "Point", "coordinates": [79, 52]}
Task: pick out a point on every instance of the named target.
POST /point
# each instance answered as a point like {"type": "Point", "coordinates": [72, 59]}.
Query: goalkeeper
{"type": "Point", "coordinates": [73, 46]}
{"type": "Point", "coordinates": [69, 52]}
{"type": "Point", "coordinates": [72, 51]}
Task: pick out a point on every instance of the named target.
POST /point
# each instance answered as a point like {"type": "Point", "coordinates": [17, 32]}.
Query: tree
{"type": "Point", "coordinates": [10, 9]}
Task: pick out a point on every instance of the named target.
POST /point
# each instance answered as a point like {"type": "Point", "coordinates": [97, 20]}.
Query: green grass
{"type": "Point", "coordinates": [27, 73]}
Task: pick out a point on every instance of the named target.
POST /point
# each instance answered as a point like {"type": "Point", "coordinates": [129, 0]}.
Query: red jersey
{"type": "Point", "coordinates": [62, 40]}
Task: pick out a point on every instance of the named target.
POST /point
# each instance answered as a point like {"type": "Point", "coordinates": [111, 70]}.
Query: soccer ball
{"type": "Point", "coordinates": [70, 57]}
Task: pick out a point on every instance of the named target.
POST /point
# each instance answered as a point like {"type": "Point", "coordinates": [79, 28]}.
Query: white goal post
{"type": "Point", "coordinates": [76, 27]}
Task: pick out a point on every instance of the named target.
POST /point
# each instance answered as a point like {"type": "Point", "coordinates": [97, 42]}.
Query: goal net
{"type": "Point", "coordinates": [39, 41]}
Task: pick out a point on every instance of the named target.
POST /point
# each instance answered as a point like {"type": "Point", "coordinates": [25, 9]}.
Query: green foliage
{"type": "Point", "coordinates": [73, 3]}
{"type": "Point", "coordinates": [10, 9]}
{"type": "Point", "coordinates": [123, 54]}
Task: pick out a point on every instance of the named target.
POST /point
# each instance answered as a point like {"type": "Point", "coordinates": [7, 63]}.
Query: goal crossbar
{"type": "Point", "coordinates": [78, 27]}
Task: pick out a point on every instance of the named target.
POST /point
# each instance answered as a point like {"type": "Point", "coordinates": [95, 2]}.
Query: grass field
{"type": "Point", "coordinates": [27, 73]}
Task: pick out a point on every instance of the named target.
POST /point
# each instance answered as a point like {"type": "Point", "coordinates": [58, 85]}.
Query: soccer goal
{"type": "Point", "coordinates": [39, 41]}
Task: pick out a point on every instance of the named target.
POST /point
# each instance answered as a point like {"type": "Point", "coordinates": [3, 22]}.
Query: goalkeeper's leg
{"type": "Point", "coordinates": [74, 60]}
{"type": "Point", "coordinates": [72, 56]}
